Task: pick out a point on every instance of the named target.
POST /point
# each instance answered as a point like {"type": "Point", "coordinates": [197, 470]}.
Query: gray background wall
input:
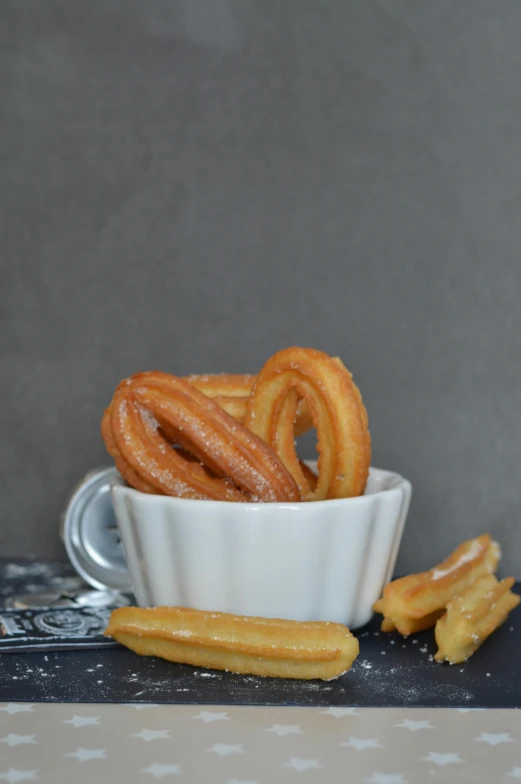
{"type": "Point", "coordinates": [194, 185]}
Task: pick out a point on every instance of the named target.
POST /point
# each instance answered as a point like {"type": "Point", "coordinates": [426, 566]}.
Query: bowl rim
{"type": "Point", "coordinates": [119, 486]}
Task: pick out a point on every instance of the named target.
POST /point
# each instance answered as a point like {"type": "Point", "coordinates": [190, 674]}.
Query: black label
{"type": "Point", "coordinates": [54, 628]}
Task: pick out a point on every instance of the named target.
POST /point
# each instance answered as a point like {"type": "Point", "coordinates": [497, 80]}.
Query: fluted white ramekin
{"type": "Point", "coordinates": [316, 561]}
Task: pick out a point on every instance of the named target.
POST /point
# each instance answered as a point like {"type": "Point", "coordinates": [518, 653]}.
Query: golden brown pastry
{"type": "Point", "coordinates": [242, 644]}
{"type": "Point", "coordinates": [217, 385]}
{"type": "Point", "coordinates": [472, 616]}
{"type": "Point", "coordinates": [337, 411]}
{"type": "Point", "coordinates": [417, 601]}
{"type": "Point", "coordinates": [150, 412]}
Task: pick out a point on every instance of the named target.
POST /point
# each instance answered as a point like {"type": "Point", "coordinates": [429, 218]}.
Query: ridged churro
{"type": "Point", "coordinates": [338, 413]}
{"type": "Point", "coordinates": [216, 385]}
{"type": "Point", "coordinates": [472, 616]}
{"type": "Point", "coordinates": [151, 412]}
{"type": "Point", "coordinates": [242, 644]}
{"type": "Point", "coordinates": [417, 601]}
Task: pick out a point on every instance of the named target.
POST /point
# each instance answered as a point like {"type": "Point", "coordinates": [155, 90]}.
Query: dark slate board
{"type": "Point", "coordinates": [37, 577]}
{"type": "Point", "coordinates": [390, 672]}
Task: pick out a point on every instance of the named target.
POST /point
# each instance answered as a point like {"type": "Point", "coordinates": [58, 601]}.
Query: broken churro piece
{"type": "Point", "coordinates": [243, 644]}
{"type": "Point", "coordinates": [472, 617]}
{"type": "Point", "coordinates": [417, 601]}
{"type": "Point", "coordinates": [412, 625]}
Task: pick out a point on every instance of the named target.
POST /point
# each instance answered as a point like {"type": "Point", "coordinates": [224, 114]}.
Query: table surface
{"type": "Point", "coordinates": [390, 672]}
{"type": "Point", "coordinates": [61, 743]}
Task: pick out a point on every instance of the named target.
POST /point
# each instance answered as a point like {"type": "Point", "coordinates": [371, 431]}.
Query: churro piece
{"type": "Point", "coordinates": [151, 412]}
{"type": "Point", "coordinates": [236, 643]}
{"type": "Point", "coordinates": [472, 616]}
{"type": "Point", "coordinates": [217, 385]}
{"type": "Point", "coordinates": [338, 413]}
{"type": "Point", "coordinates": [231, 391]}
{"type": "Point", "coordinates": [408, 625]}
{"type": "Point", "coordinates": [417, 601]}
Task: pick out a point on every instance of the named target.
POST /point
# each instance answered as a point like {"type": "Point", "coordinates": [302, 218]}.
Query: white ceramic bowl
{"type": "Point", "coordinates": [319, 561]}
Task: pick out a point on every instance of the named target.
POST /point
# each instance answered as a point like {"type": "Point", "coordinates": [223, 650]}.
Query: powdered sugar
{"type": "Point", "coordinates": [472, 553]}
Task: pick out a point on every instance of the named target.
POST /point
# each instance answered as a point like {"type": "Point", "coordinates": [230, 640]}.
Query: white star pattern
{"type": "Point", "coordinates": [495, 738]}
{"type": "Point", "coordinates": [83, 755]}
{"type": "Point", "coordinates": [159, 771]}
{"type": "Point", "coordinates": [285, 729]}
{"type": "Point", "coordinates": [361, 743]}
{"type": "Point", "coordinates": [149, 735]}
{"type": "Point", "coordinates": [442, 759]}
{"type": "Point", "coordinates": [414, 726]}
{"type": "Point", "coordinates": [13, 775]}
{"type": "Point", "coordinates": [299, 764]}
{"type": "Point", "coordinates": [82, 721]}
{"type": "Point", "coordinates": [225, 749]}
{"type": "Point", "coordinates": [209, 716]}
{"type": "Point", "coordinates": [18, 740]}
{"type": "Point", "coordinates": [232, 750]}
{"type": "Point", "coordinates": [339, 712]}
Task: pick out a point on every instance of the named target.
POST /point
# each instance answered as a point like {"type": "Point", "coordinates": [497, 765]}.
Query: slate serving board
{"type": "Point", "coordinates": [389, 672]}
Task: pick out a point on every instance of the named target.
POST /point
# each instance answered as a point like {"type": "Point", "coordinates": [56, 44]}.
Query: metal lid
{"type": "Point", "coordinates": [90, 533]}
{"type": "Point", "coordinates": [30, 601]}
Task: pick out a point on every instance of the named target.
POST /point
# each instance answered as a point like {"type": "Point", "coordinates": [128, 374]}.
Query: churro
{"type": "Point", "coordinates": [242, 644]}
{"type": "Point", "coordinates": [472, 616]}
{"type": "Point", "coordinates": [417, 601]}
{"type": "Point", "coordinates": [152, 412]}
{"type": "Point", "coordinates": [337, 411]}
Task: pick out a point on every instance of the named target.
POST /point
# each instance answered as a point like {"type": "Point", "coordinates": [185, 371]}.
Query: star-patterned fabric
{"type": "Point", "coordinates": [58, 743]}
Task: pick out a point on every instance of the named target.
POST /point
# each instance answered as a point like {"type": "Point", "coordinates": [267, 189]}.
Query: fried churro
{"type": "Point", "coordinates": [472, 616]}
{"type": "Point", "coordinates": [151, 412]}
{"type": "Point", "coordinates": [338, 413]}
{"type": "Point", "coordinates": [242, 644]}
{"type": "Point", "coordinates": [417, 601]}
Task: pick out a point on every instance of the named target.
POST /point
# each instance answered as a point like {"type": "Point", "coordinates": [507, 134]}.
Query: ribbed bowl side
{"type": "Point", "coordinates": [129, 528]}
{"type": "Point", "coordinates": [326, 561]}
{"type": "Point", "coordinates": [384, 536]}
